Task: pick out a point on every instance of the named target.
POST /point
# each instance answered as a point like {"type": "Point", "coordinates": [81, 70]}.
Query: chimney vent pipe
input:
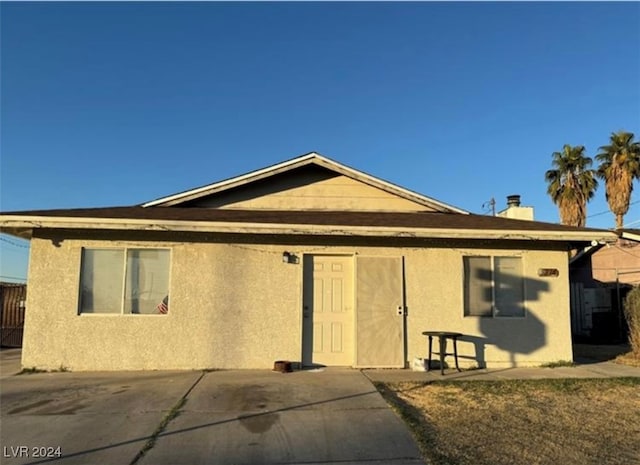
{"type": "Point", "coordinates": [513, 201]}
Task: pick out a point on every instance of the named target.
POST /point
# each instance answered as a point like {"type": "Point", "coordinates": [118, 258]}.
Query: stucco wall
{"type": "Point", "coordinates": [239, 306]}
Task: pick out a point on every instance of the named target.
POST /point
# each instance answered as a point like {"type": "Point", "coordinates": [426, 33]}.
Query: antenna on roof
{"type": "Point", "coordinates": [489, 206]}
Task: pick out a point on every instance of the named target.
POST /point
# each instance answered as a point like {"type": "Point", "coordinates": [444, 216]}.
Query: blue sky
{"type": "Point", "coordinates": [119, 103]}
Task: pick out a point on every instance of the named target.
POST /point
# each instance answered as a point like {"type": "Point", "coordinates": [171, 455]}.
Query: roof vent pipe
{"type": "Point", "coordinates": [513, 201]}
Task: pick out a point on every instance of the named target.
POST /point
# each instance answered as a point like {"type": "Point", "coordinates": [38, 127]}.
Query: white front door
{"type": "Point", "coordinates": [327, 328]}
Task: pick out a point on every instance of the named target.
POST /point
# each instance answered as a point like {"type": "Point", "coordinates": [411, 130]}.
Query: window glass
{"type": "Point", "coordinates": [509, 286]}
{"type": "Point", "coordinates": [131, 281]}
{"type": "Point", "coordinates": [478, 295]}
{"type": "Point", "coordinates": [101, 281]}
{"type": "Point", "coordinates": [493, 286]}
{"type": "Point", "coordinates": [147, 281]}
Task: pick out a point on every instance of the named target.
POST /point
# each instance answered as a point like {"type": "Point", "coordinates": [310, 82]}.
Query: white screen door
{"type": "Point", "coordinates": [379, 312]}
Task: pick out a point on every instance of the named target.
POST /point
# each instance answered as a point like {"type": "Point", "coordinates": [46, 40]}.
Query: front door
{"type": "Point", "coordinates": [327, 328]}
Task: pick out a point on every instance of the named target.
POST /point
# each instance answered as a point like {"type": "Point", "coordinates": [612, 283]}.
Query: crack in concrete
{"type": "Point", "coordinates": [173, 413]}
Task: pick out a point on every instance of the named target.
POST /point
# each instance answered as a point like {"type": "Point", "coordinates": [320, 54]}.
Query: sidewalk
{"type": "Point", "coordinates": [584, 369]}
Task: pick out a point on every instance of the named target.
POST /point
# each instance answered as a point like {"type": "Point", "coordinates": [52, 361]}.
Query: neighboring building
{"type": "Point", "coordinates": [601, 275]}
{"type": "Point", "coordinates": [12, 305]}
{"type": "Point", "coordinates": [308, 260]}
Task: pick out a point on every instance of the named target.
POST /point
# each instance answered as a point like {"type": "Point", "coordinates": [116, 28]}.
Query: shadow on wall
{"type": "Point", "coordinates": [514, 335]}
{"type": "Point", "coordinates": [479, 344]}
{"type": "Point", "coordinates": [509, 325]}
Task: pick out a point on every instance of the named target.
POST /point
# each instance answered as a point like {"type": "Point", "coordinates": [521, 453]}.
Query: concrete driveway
{"type": "Point", "coordinates": [237, 417]}
{"type": "Point", "coordinates": [223, 417]}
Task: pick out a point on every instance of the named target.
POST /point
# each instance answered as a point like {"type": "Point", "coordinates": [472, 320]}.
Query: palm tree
{"type": "Point", "coordinates": [619, 165]}
{"type": "Point", "coordinates": [571, 184]}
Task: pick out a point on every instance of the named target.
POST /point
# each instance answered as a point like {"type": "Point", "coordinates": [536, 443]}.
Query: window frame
{"type": "Point", "coordinates": [492, 259]}
{"type": "Point", "coordinates": [121, 313]}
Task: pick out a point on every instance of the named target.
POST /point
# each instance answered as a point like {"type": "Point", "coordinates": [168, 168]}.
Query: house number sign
{"type": "Point", "coordinates": [548, 272]}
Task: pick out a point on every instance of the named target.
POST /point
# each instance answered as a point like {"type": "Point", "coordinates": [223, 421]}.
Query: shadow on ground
{"type": "Point", "coordinates": [595, 353]}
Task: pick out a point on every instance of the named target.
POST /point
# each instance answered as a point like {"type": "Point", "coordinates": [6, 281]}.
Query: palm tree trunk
{"type": "Point", "coordinates": [619, 221]}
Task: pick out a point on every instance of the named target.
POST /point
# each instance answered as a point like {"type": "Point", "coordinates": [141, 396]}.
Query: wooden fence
{"type": "Point", "coordinates": [12, 299]}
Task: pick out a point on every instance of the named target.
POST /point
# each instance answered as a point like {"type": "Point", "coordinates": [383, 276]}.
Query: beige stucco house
{"type": "Point", "coordinates": [308, 260]}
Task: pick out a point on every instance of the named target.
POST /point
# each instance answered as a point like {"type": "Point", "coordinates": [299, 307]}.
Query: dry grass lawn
{"type": "Point", "coordinates": [532, 422]}
{"type": "Point", "coordinates": [628, 359]}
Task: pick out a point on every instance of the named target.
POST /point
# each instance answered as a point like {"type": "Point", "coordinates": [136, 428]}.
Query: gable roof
{"type": "Point", "coordinates": [438, 221]}
{"type": "Point", "coordinates": [312, 158]}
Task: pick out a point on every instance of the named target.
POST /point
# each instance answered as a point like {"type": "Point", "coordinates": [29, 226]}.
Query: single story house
{"type": "Point", "coordinates": [308, 260]}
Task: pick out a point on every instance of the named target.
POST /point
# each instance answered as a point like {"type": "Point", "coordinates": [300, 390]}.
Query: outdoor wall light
{"type": "Point", "coordinates": [288, 257]}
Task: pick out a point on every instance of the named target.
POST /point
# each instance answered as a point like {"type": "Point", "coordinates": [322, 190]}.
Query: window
{"type": "Point", "coordinates": [493, 287]}
{"type": "Point", "coordinates": [124, 281]}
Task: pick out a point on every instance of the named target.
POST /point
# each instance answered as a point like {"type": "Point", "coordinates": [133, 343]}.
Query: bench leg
{"type": "Point", "coordinates": [429, 357]}
{"type": "Point", "coordinates": [455, 352]}
{"type": "Point", "coordinates": [443, 350]}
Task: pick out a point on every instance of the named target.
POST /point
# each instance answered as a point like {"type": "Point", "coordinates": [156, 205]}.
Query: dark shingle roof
{"type": "Point", "coordinates": [426, 220]}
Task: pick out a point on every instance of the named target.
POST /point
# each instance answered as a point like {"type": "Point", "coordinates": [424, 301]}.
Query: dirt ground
{"type": "Point", "coordinates": [534, 422]}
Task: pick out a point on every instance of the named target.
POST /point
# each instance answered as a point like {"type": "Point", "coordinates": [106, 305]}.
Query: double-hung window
{"type": "Point", "coordinates": [493, 286]}
{"type": "Point", "coordinates": [124, 281]}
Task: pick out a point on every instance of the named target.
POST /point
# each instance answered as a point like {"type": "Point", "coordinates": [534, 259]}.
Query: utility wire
{"type": "Point", "coordinates": [609, 211]}
{"type": "Point", "coordinates": [632, 222]}
{"type": "Point", "coordinates": [626, 251]}
{"type": "Point", "coordinates": [9, 241]}
{"type": "Point", "coordinates": [13, 277]}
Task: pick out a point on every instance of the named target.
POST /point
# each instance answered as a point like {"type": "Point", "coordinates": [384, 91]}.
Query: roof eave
{"type": "Point", "coordinates": [630, 236]}
{"type": "Point", "coordinates": [22, 226]}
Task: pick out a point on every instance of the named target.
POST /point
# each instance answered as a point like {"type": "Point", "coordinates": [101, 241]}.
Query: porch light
{"type": "Point", "coordinates": [289, 257]}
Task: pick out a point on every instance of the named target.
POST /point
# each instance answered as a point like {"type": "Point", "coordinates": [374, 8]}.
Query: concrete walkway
{"type": "Point", "coordinates": [583, 369]}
